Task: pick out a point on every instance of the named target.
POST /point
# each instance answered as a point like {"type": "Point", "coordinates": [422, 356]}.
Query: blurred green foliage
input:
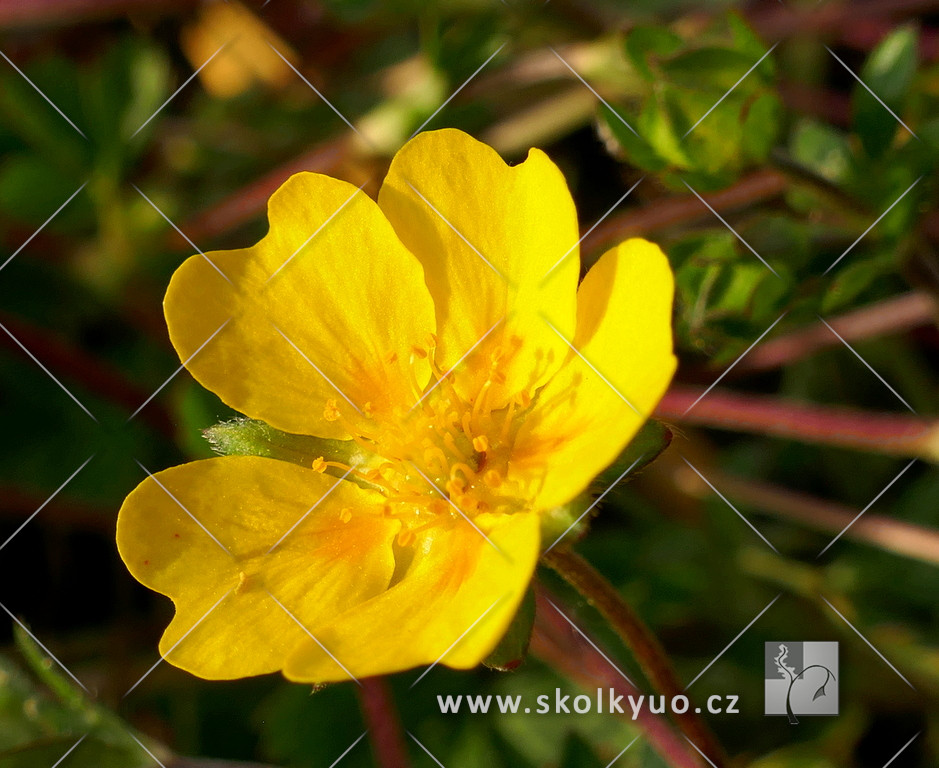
{"type": "Point", "coordinates": [92, 280]}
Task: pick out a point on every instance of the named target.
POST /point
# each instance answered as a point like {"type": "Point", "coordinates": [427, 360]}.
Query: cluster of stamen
{"type": "Point", "coordinates": [448, 455]}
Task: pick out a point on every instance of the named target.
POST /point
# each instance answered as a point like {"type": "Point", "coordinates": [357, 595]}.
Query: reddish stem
{"type": "Point", "coordinates": [896, 536]}
{"type": "Point", "coordinates": [661, 214]}
{"type": "Point", "coordinates": [384, 726]}
{"type": "Point", "coordinates": [901, 313]}
{"type": "Point", "coordinates": [556, 643]}
{"type": "Point", "coordinates": [885, 433]}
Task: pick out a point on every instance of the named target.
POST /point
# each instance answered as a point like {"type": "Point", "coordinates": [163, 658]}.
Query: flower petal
{"type": "Point", "coordinates": [320, 568]}
{"type": "Point", "coordinates": [453, 605]}
{"type": "Point", "coordinates": [487, 235]}
{"type": "Point", "coordinates": [581, 422]}
{"type": "Point", "coordinates": [324, 276]}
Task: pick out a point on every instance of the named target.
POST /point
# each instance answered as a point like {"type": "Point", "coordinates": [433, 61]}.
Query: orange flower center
{"type": "Point", "coordinates": [448, 455]}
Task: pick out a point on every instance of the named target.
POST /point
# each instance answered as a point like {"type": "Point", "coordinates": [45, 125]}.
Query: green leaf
{"type": "Point", "coordinates": [853, 279]}
{"type": "Point", "coordinates": [713, 69]}
{"type": "Point", "coordinates": [644, 42]}
{"type": "Point", "coordinates": [761, 125]}
{"type": "Point", "coordinates": [888, 72]}
{"type": "Point", "coordinates": [512, 648]}
{"type": "Point", "coordinates": [634, 148]}
{"type": "Point", "coordinates": [822, 149]}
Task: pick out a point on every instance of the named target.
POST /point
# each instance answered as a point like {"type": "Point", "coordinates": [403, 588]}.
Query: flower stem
{"type": "Point", "coordinates": [897, 536]}
{"type": "Point", "coordinates": [900, 313]}
{"type": "Point", "coordinates": [655, 664]}
{"type": "Point", "coordinates": [884, 433]}
{"type": "Point", "coordinates": [581, 661]}
{"type": "Point", "coordinates": [384, 726]}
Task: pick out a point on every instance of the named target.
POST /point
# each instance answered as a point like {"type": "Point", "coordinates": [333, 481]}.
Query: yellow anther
{"type": "Point", "coordinates": [419, 352]}
{"type": "Point", "coordinates": [243, 582]}
{"type": "Point", "coordinates": [367, 409]}
{"type": "Point", "coordinates": [346, 515]}
{"type": "Point", "coordinates": [331, 411]}
{"type": "Point", "coordinates": [319, 464]}
{"type": "Point", "coordinates": [492, 478]}
{"type": "Point", "coordinates": [431, 340]}
{"type": "Point", "coordinates": [481, 443]}
{"type": "Point", "coordinates": [524, 399]}
{"type": "Point", "coordinates": [405, 537]}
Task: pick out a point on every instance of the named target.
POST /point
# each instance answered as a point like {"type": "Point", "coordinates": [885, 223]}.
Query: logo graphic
{"type": "Point", "coordinates": [801, 679]}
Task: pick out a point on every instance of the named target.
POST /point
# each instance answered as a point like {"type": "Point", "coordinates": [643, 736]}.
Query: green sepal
{"type": "Point", "coordinates": [513, 647]}
{"type": "Point", "coordinates": [569, 520]}
{"type": "Point", "coordinates": [651, 439]}
{"type": "Point", "coordinates": [250, 437]}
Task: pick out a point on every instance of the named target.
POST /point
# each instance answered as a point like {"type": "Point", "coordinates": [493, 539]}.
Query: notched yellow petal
{"type": "Point", "coordinates": [222, 536]}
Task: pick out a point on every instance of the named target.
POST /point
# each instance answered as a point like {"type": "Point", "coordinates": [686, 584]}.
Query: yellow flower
{"type": "Point", "coordinates": [442, 330]}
